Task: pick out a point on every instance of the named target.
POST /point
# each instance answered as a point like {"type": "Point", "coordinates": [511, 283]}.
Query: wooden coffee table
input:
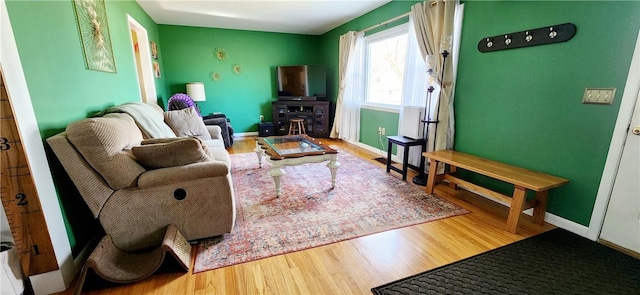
{"type": "Point", "coordinates": [294, 150]}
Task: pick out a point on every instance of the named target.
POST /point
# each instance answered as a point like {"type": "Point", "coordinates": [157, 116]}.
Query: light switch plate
{"type": "Point", "coordinates": [599, 95]}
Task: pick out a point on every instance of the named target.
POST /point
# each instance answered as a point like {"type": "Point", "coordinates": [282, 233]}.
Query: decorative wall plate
{"type": "Point", "coordinates": [236, 69]}
{"type": "Point", "coordinates": [215, 76]}
{"type": "Point", "coordinates": [220, 54]}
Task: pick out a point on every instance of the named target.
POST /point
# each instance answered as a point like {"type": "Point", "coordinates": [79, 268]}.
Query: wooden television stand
{"type": "Point", "coordinates": [315, 115]}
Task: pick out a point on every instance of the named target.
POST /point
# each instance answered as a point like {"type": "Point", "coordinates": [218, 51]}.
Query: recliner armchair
{"type": "Point", "coordinates": [134, 203]}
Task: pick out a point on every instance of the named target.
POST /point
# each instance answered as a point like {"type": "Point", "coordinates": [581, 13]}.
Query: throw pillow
{"type": "Point", "coordinates": [169, 154]}
{"type": "Point", "coordinates": [187, 122]}
{"type": "Point", "coordinates": [168, 140]}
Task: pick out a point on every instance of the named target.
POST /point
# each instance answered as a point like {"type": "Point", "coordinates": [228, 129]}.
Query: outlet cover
{"type": "Point", "coordinates": [598, 95]}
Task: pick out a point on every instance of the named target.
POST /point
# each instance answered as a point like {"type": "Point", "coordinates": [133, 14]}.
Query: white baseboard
{"type": "Point", "coordinates": [244, 134]}
{"type": "Point", "coordinates": [556, 220]}
{"type": "Point", "coordinates": [373, 150]}
{"type": "Point", "coordinates": [48, 282]}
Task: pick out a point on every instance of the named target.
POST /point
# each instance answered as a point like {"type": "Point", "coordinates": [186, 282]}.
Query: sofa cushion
{"type": "Point", "coordinates": [103, 142]}
{"type": "Point", "coordinates": [186, 122]}
{"type": "Point", "coordinates": [213, 147]}
{"type": "Point", "coordinates": [178, 152]}
{"type": "Point", "coordinates": [169, 140]}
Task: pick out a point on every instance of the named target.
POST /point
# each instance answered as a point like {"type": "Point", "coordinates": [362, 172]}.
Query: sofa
{"type": "Point", "coordinates": [140, 169]}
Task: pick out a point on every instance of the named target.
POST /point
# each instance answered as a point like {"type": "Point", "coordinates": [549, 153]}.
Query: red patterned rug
{"type": "Point", "coordinates": [366, 200]}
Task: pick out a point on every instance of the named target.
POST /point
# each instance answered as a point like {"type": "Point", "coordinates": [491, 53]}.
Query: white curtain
{"type": "Point", "coordinates": [346, 123]}
{"type": "Point", "coordinates": [435, 27]}
{"type": "Point", "coordinates": [414, 88]}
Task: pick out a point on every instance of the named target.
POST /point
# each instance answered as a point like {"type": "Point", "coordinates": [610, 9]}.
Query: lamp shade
{"type": "Point", "coordinates": [196, 91]}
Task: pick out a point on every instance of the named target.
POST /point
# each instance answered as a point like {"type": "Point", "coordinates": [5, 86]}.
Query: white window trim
{"type": "Point", "coordinates": [385, 34]}
{"type": "Point", "coordinates": [382, 107]}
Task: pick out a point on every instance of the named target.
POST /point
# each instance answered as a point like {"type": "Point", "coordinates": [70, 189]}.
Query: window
{"type": "Point", "coordinates": [385, 53]}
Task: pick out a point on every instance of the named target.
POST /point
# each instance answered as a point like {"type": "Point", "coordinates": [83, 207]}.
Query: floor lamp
{"type": "Point", "coordinates": [421, 178]}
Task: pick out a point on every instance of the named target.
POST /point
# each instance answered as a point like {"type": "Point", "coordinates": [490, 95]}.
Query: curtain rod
{"type": "Point", "coordinates": [385, 22]}
{"type": "Point", "coordinates": [391, 20]}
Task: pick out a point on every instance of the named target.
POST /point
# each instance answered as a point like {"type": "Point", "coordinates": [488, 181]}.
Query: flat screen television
{"type": "Point", "coordinates": [301, 82]}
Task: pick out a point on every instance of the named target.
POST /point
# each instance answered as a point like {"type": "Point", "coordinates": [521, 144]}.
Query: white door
{"type": "Point", "coordinates": [622, 220]}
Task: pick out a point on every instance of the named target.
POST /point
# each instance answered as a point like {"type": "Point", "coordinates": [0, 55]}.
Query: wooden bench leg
{"type": "Point", "coordinates": [452, 169]}
{"type": "Point", "coordinates": [431, 180]}
{"type": "Point", "coordinates": [517, 203]}
{"type": "Point", "coordinates": [541, 207]}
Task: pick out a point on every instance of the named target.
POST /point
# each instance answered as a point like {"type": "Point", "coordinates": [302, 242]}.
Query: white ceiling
{"type": "Point", "coordinates": [311, 17]}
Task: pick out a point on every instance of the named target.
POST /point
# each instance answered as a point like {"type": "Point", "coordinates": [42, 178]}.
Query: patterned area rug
{"type": "Point", "coordinates": [555, 262]}
{"type": "Point", "coordinates": [309, 213]}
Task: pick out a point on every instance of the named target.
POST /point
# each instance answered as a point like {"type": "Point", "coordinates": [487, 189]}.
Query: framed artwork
{"type": "Point", "coordinates": [156, 69]}
{"type": "Point", "coordinates": [91, 18]}
{"type": "Point", "coordinates": [154, 50]}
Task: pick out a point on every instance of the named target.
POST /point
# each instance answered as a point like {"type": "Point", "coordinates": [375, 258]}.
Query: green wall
{"type": "Point", "coordinates": [62, 90]}
{"type": "Point", "coordinates": [370, 120]}
{"type": "Point", "coordinates": [189, 56]}
{"type": "Point", "coordinates": [524, 106]}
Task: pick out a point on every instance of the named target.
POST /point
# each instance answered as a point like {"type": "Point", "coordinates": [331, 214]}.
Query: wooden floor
{"type": "Point", "coordinates": [354, 266]}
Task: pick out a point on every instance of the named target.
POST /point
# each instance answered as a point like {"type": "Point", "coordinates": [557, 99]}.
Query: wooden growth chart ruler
{"type": "Point", "coordinates": [20, 198]}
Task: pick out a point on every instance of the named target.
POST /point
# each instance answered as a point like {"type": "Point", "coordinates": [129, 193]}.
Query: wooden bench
{"type": "Point", "coordinates": [521, 178]}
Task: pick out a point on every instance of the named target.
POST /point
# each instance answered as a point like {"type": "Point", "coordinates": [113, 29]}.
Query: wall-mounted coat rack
{"type": "Point", "coordinates": [539, 36]}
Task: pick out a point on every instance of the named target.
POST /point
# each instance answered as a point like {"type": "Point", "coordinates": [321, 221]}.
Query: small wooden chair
{"type": "Point", "coordinates": [296, 125]}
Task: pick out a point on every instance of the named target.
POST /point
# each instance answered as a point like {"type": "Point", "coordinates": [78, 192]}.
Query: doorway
{"type": "Point", "coordinates": [621, 224]}
{"type": "Point", "coordinates": [616, 215]}
{"type": "Point", "coordinates": [142, 59]}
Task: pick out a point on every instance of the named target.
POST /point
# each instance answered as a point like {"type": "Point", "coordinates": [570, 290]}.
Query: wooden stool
{"type": "Point", "coordinates": [296, 124]}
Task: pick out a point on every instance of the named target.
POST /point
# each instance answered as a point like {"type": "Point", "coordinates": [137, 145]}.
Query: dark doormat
{"type": "Point", "coordinates": [554, 262]}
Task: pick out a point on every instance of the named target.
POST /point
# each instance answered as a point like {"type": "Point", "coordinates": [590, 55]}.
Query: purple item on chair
{"type": "Point", "coordinates": [181, 101]}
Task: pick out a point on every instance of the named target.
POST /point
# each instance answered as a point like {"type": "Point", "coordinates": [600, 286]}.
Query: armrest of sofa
{"type": "Point", "coordinates": [224, 126]}
{"type": "Point", "coordinates": [163, 176]}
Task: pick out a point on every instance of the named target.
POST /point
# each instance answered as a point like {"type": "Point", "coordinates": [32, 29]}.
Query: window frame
{"type": "Point", "coordinates": [401, 29]}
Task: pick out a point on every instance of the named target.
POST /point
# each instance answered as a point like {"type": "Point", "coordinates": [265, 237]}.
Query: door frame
{"type": "Point", "coordinates": [625, 112]}
{"type": "Point", "coordinates": [145, 60]}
